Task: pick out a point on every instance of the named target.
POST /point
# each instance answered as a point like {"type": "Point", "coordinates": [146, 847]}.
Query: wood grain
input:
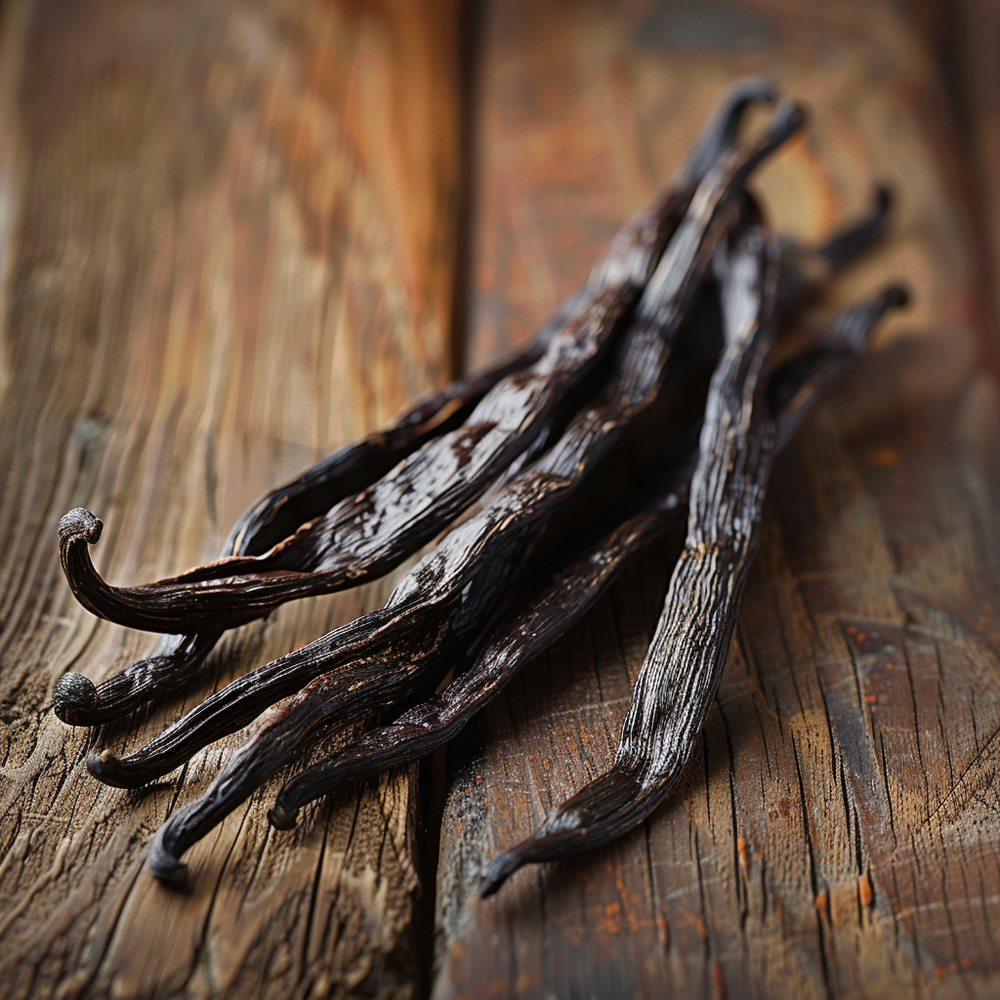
{"type": "Point", "coordinates": [227, 233]}
{"type": "Point", "coordinates": [838, 834]}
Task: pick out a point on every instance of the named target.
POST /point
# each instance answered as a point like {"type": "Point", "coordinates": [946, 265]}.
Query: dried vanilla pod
{"type": "Point", "coordinates": [572, 591]}
{"type": "Point", "coordinates": [423, 729]}
{"type": "Point", "coordinates": [677, 683]}
{"type": "Point", "coordinates": [804, 271]}
{"type": "Point", "coordinates": [470, 549]}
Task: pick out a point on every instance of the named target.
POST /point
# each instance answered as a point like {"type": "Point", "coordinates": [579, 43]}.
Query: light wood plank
{"type": "Point", "coordinates": [228, 234]}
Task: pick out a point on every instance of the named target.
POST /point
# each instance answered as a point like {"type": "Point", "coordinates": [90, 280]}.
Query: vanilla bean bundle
{"type": "Point", "coordinates": [453, 588]}
{"type": "Point", "coordinates": [695, 274]}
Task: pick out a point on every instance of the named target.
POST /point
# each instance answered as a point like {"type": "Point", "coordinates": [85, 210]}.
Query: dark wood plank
{"type": "Point", "coordinates": [227, 230]}
{"type": "Point", "coordinates": [837, 833]}
{"type": "Point", "coordinates": [974, 38]}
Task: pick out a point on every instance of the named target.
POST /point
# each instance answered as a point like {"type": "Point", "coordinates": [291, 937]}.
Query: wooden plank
{"type": "Point", "coordinates": [976, 33]}
{"type": "Point", "coordinates": [227, 230]}
{"type": "Point", "coordinates": [836, 834]}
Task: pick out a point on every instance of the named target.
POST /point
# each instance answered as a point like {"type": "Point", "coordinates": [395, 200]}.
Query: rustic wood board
{"type": "Point", "coordinates": [974, 39]}
{"type": "Point", "coordinates": [838, 834]}
{"type": "Point", "coordinates": [227, 236]}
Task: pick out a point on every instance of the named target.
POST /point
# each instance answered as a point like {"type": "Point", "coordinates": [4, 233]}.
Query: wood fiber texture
{"type": "Point", "coordinates": [838, 833]}
{"type": "Point", "coordinates": [227, 232]}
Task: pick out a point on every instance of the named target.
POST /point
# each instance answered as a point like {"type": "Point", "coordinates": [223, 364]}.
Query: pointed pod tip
{"type": "Point", "coordinates": [883, 198]}
{"type": "Point", "coordinates": [789, 118]}
{"type": "Point", "coordinates": [498, 871]}
{"type": "Point", "coordinates": [107, 768]}
{"type": "Point", "coordinates": [750, 88]}
{"type": "Point", "coordinates": [896, 296]}
{"type": "Point", "coordinates": [719, 134]}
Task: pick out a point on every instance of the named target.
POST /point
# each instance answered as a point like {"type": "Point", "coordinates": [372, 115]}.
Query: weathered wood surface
{"type": "Point", "coordinates": [227, 232]}
{"type": "Point", "coordinates": [839, 832]}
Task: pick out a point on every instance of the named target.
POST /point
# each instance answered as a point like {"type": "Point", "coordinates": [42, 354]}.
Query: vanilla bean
{"type": "Point", "coordinates": [669, 705]}
{"type": "Point", "coordinates": [283, 511]}
{"type": "Point", "coordinates": [78, 701]}
{"type": "Point", "coordinates": [413, 632]}
{"type": "Point", "coordinates": [846, 246]}
{"type": "Point", "coordinates": [804, 271]}
{"type": "Point", "coordinates": [685, 661]}
{"type": "Point", "coordinates": [721, 131]}
{"type": "Point", "coordinates": [542, 433]}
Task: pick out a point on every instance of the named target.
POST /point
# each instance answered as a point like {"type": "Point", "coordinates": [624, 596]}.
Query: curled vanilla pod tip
{"type": "Point", "coordinates": [845, 246]}
{"type": "Point", "coordinates": [78, 701]}
{"type": "Point", "coordinates": [684, 663]}
{"type": "Point", "coordinates": [806, 270]}
{"type": "Point", "coordinates": [722, 130]}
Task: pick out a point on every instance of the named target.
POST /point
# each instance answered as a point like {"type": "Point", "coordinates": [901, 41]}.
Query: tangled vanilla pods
{"type": "Point", "coordinates": [667, 344]}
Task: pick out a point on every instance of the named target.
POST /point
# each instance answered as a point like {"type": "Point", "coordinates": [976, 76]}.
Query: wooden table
{"type": "Point", "coordinates": [235, 234]}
